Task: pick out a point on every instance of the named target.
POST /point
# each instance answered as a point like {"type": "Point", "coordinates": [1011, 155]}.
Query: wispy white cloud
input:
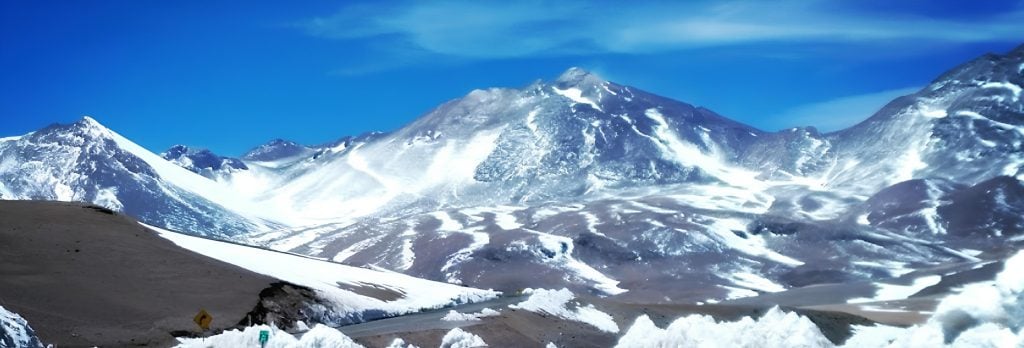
{"type": "Point", "coordinates": [839, 113]}
{"type": "Point", "coordinates": [480, 30]}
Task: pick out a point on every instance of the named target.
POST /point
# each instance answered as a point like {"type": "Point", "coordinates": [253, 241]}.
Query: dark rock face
{"type": "Point", "coordinates": [202, 161]}
{"type": "Point", "coordinates": [283, 304]}
{"type": "Point", "coordinates": [993, 208]}
{"type": "Point", "coordinates": [276, 149]}
{"type": "Point", "coordinates": [909, 206]}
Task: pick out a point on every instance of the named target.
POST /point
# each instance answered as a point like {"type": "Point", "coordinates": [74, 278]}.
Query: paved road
{"type": "Point", "coordinates": [425, 321]}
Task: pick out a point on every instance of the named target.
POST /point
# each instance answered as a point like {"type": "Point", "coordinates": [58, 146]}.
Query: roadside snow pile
{"type": "Point", "coordinates": [775, 329]}
{"type": "Point", "coordinates": [456, 338]}
{"type": "Point", "coordinates": [555, 302]}
{"type": "Point", "coordinates": [400, 343]}
{"type": "Point", "coordinates": [986, 314]}
{"type": "Point", "coordinates": [456, 316]}
{"type": "Point", "coordinates": [319, 336]}
{"type": "Point", "coordinates": [15, 332]}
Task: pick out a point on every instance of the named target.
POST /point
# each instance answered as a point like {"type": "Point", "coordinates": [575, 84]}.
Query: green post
{"type": "Point", "coordinates": [264, 337]}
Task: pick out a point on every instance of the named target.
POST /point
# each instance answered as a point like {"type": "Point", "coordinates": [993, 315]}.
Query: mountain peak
{"type": "Point", "coordinates": [201, 160]}
{"type": "Point", "coordinates": [86, 126]}
{"type": "Point", "coordinates": [576, 76]}
{"type": "Point", "coordinates": [275, 149]}
{"type": "Point", "coordinates": [178, 150]}
{"type": "Point", "coordinates": [89, 122]}
{"type": "Point", "coordinates": [1017, 51]}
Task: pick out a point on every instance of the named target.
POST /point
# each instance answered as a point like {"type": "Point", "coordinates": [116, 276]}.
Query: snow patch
{"type": "Point", "coordinates": [756, 282]}
{"type": "Point", "coordinates": [400, 343]}
{"type": "Point", "coordinates": [1014, 89]}
{"type": "Point", "coordinates": [753, 245]}
{"type": "Point", "coordinates": [576, 95]}
{"type": "Point", "coordinates": [556, 302]}
{"type": "Point", "coordinates": [447, 223]}
{"type": "Point", "coordinates": [456, 316]}
{"type": "Point", "coordinates": [408, 254]}
{"type": "Point", "coordinates": [592, 222]}
{"type": "Point", "coordinates": [605, 86]}
{"type": "Point", "coordinates": [735, 293]}
{"type": "Point", "coordinates": [687, 154]}
{"type": "Point", "coordinates": [531, 120]}
{"type": "Point", "coordinates": [107, 197]}
{"type": "Point", "coordinates": [889, 292]}
{"type": "Point", "coordinates": [980, 117]}
{"type": "Point", "coordinates": [457, 338]}
{"type": "Point", "coordinates": [561, 248]}
{"type": "Point", "coordinates": [480, 240]}
{"type": "Point", "coordinates": [506, 221]}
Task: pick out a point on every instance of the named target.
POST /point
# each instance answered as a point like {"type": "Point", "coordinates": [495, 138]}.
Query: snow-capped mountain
{"type": "Point", "coordinates": [606, 187]}
{"type": "Point", "coordinates": [85, 161]}
{"type": "Point", "coordinates": [966, 126]}
{"type": "Point", "coordinates": [591, 185]}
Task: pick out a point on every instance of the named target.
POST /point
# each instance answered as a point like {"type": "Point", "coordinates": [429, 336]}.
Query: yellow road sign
{"type": "Point", "coordinates": [203, 319]}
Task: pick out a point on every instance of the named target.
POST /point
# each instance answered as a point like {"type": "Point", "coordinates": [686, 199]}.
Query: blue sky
{"type": "Point", "coordinates": [231, 75]}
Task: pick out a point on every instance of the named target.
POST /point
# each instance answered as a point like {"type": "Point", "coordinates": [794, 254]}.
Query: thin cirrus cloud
{"type": "Point", "coordinates": [489, 30]}
{"type": "Point", "coordinates": [839, 113]}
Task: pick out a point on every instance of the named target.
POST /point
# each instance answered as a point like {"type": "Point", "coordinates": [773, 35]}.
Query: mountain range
{"type": "Point", "coordinates": [590, 185]}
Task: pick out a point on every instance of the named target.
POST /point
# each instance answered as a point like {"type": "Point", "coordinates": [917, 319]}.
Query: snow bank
{"type": "Point", "coordinates": [986, 314]}
{"type": "Point", "coordinates": [456, 338]}
{"type": "Point", "coordinates": [400, 343]}
{"type": "Point", "coordinates": [319, 336]}
{"type": "Point", "coordinates": [775, 329]}
{"type": "Point", "coordinates": [338, 283]}
{"type": "Point", "coordinates": [555, 302]}
{"type": "Point", "coordinates": [456, 316]}
{"type": "Point", "coordinates": [15, 332]}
